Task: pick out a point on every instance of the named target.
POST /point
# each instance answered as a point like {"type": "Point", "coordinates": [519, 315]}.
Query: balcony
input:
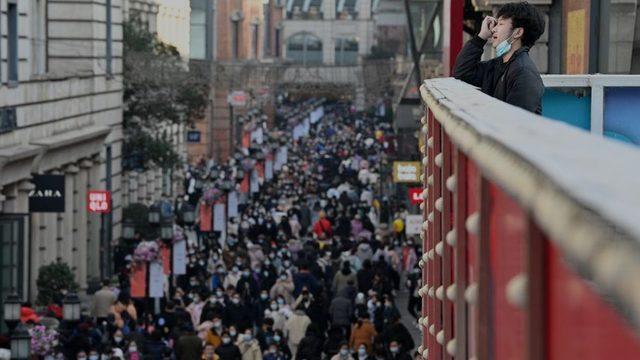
{"type": "Point", "coordinates": [531, 234]}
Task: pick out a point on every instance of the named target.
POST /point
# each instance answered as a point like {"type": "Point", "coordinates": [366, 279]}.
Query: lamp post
{"type": "Point", "coordinates": [128, 229]}
{"type": "Point", "coordinates": [20, 337]}
{"type": "Point", "coordinates": [187, 214]}
{"type": "Point", "coordinates": [71, 308]}
{"type": "Point", "coordinates": [154, 214]}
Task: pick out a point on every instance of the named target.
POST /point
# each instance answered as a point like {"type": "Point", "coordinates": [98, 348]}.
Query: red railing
{"type": "Point", "coordinates": [532, 234]}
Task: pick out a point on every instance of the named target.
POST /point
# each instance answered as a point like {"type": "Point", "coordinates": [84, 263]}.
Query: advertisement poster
{"type": "Point", "coordinates": [180, 258]}
{"type": "Point", "coordinates": [413, 224]}
{"type": "Point", "coordinates": [156, 280]}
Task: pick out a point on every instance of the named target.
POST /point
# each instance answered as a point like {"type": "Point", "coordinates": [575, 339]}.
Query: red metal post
{"type": "Point", "coordinates": [453, 20]}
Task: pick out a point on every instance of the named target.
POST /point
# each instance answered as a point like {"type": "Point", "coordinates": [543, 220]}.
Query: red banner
{"type": "Point", "coordinates": [206, 213]}
{"type": "Point", "coordinates": [244, 186]}
{"type": "Point", "coordinates": [138, 280]}
{"type": "Point", "coordinates": [415, 195]}
{"type": "Point", "coordinates": [165, 253]}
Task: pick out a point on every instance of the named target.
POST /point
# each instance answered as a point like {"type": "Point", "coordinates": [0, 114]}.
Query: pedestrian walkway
{"type": "Point", "coordinates": [407, 320]}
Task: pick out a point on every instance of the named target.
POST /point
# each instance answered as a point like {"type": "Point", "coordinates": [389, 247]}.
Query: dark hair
{"type": "Point", "coordinates": [526, 16]}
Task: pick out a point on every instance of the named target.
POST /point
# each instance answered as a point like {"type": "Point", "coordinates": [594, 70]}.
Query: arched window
{"type": "Point", "coordinates": [346, 51]}
{"type": "Point", "coordinates": [304, 48]}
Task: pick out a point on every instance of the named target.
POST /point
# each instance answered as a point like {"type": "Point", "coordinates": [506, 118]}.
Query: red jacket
{"type": "Point", "coordinates": [323, 226]}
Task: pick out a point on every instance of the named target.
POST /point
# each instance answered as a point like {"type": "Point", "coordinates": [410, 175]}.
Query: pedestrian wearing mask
{"type": "Point", "coordinates": [249, 347]}
{"type": "Point", "coordinates": [362, 353]}
{"type": "Point", "coordinates": [396, 352]}
{"type": "Point", "coordinates": [209, 353]}
{"type": "Point", "coordinates": [295, 329]}
{"type": "Point", "coordinates": [189, 345]}
{"type": "Point", "coordinates": [228, 350]}
{"type": "Point", "coordinates": [273, 353]}
{"type": "Point", "coordinates": [214, 336]}
{"type": "Point", "coordinates": [132, 352]}
{"type": "Point", "coordinates": [232, 278]}
{"type": "Point", "coordinates": [284, 288]}
{"type": "Point", "coordinates": [344, 353]}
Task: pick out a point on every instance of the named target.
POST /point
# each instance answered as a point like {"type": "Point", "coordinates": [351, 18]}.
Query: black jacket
{"type": "Point", "coordinates": [516, 82]}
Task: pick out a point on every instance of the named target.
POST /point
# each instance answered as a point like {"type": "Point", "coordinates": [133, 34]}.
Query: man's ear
{"type": "Point", "coordinates": [518, 33]}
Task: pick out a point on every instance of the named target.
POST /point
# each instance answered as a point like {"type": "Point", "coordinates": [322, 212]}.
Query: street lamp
{"type": "Point", "coordinates": [20, 343]}
{"type": "Point", "coordinates": [166, 231]}
{"type": "Point", "coordinates": [11, 310]}
{"type": "Point", "coordinates": [154, 214]}
{"type": "Point", "coordinates": [128, 229]}
{"type": "Point", "coordinates": [188, 214]}
{"type": "Point", "coordinates": [71, 308]}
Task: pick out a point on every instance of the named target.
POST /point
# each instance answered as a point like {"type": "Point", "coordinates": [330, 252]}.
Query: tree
{"type": "Point", "coordinates": [51, 279]}
{"type": "Point", "coordinates": [159, 91]}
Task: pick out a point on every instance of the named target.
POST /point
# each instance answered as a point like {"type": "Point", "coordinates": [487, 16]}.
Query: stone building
{"type": "Point", "coordinates": [60, 113]}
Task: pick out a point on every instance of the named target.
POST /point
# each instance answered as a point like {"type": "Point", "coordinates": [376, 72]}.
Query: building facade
{"type": "Point", "coordinates": [328, 32]}
{"type": "Point", "coordinates": [61, 114]}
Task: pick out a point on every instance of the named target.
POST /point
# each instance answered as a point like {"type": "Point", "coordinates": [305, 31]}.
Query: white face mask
{"type": "Point", "coordinates": [93, 357]}
{"type": "Point", "coordinates": [344, 352]}
{"type": "Point", "coordinates": [133, 349]}
{"type": "Point", "coordinates": [362, 351]}
{"type": "Point", "coordinates": [117, 339]}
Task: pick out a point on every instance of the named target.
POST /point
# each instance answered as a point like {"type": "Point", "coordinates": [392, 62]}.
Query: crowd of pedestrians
{"type": "Point", "coordinates": [308, 269]}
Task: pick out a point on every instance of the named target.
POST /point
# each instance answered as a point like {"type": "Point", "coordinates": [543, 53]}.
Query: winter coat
{"type": "Point", "coordinates": [341, 280]}
{"type": "Point", "coordinates": [284, 289]}
{"type": "Point", "coordinates": [341, 311]}
{"type": "Point", "coordinates": [296, 327]}
{"type": "Point", "coordinates": [363, 333]}
{"type": "Point", "coordinates": [250, 350]}
{"type": "Point", "coordinates": [228, 352]}
{"type": "Point", "coordinates": [516, 82]}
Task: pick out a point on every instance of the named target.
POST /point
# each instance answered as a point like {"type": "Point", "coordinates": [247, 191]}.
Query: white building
{"type": "Point", "coordinates": [61, 113]}
{"type": "Point", "coordinates": [329, 32]}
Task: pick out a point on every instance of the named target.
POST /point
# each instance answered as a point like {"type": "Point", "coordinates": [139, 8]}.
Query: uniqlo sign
{"type": "Point", "coordinates": [415, 195]}
{"type": "Point", "coordinates": [99, 201]}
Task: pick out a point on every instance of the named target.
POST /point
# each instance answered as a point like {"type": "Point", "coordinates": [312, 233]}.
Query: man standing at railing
{"type": "Point", "coordinates": [511, 76]}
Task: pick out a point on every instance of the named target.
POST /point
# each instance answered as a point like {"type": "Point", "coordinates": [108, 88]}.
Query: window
{"type": "Point", "coordinates": [199, 44]}
{"type": "Point", "coordinates": [109, 40]}
{"type": "Point", "coordinates": [305, 49]}
{"type": "Point", "coordinates": [346, 9]}
{"type": "Point", "coordinates": [254, 40]}
{"type": "Point", "coordinates": [277, 43]}
{"type": "Point", "coordinates": [304, 9]}
{"type": "Point", "coordinates": [235, 39]}
{"type": "Point", "coordinates": [346, 52]}
{"type": "Point", "coordinates": [7, 119]}
{"type": "Point", "coordinates": [38, 37]}
{"type": "Point", "coordinates": [12, 55]}
{"type": "Point", "coordinates": [267, 29]}
{"type": "Point", "coordinates": [12, 239]}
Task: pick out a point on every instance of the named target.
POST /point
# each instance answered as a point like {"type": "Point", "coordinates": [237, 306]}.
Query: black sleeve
{"type": "Point", "coordinates": [468, 66]}
{"type": "Point", "coordinates": [525, 89]}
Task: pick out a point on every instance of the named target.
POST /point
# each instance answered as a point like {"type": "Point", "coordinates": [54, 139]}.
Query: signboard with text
{"type": "Point", "coordinates": [413, 224]}
{"type": "Point", "coordinates": [237, 99]}
{"type": "Point", "coordinates": [48, 194]}
{"type": "Point", "coordinates": [415, 195]}
{"type": "Point", "coordinates": [406, 171]}
{"type": "Point", "coordinates": [193, 136]}
{"type": "Point", "coordinates": [99, 201]}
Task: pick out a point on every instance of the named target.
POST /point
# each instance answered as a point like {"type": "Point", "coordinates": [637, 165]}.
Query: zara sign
{"type": "Point", "coordinates": [48, 194]}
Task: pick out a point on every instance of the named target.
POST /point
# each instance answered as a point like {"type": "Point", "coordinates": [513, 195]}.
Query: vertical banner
{"type": "Point", "coordinates": [244, 185]}
{"type": "Point", "coordinates": [165, 253]}
{"type": "Point", "coordinates": [180, 258]}
{"type": "Point", "coordinates": [268, 168]}
{"type": "Point", "coordinates": [254, 186]}
{"type": "Point", "coordinates": [218, 217]}
{"type": "Point", "coordinates": [232, 204]}
{"type": "Point", "coordinates": [205, 217]}
{"type": "Point", "coordinates": [156, 280]}
{"type": "Point", "coordinates": [138, 281]}
{"type": "Point", "coordinates": [285, 154]}
{"type": "Point", "coordinates": [260, 170]}
{"type": "Point", "coordinates": [576, 16]}
{"type": "Point", "coordinates": [277, 165]}
{"type": "Point", "coordinates": [246, 140]}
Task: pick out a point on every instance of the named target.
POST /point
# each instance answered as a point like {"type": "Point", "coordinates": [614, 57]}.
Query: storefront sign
{"type": "Point", "coordinates": [406, 171]}
{"type": "Point", "coordinates": [415, 195]}
{"type": "Point", "coordinates": [99, 201]}
{"type": "Point", "coordinates": [193, 136]}
{"type": "Point", "coordinates": [413, 224]}
{"type": "Point", "coordinates": [48, 194]}
{"type": "Point", "coordinates": [237, 99]}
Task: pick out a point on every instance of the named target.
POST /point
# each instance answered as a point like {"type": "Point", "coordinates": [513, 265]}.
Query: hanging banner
{"type": "Point", "coordinates": [254, 185]}
{"type": "Point", "coordinates": [316, 115]}
{"type": "Point", "coordinates": [205, 217]}
{"type": "Point", "coordinates": [232, 204]}
{"type": "Point", "coordinates": [306, 127]}
{"type": "Point", "coordinates": [268, 169]}
{"type": "Point", "coordinates": [180, 258]}
{"type": "Point", "coordinates": [165, 252]}
{"type": "Point", "coordinates": [285, 154]}
{"type": "Point", "coordinates": [138, 281]}
{"type": "Point", "coordinates": [246, 140]}
{"type": "Point", "coordinates": [48, 194]}
{"type": "Point", "coordinates": [218, 217]}
{"type": "Point", "coordinates": [413, 224]}
{"type": "Point", "coordinates": [278, 162]}
{"type": "Point", "coordinates": [156, 280]}
{"type": "Point", "coordinates": [260, 170]}
{"type": "Point", "coordinates": [257, 135]}
{"type": "Point", "coordinates": [244, 185]}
